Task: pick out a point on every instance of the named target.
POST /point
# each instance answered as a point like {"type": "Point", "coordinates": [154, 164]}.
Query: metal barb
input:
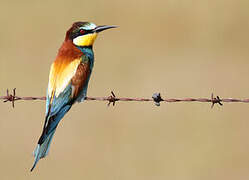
{"type": "Point", "coordinates": [10, 97]}
{"type": "Point", "coordinates": [13, 98]}
{"type": "Point", "coordinates": [112, 99]}
{"type": "Point", "coordinates": [157, 98]}
{"type": "Point", "coordinates": [215, 100]}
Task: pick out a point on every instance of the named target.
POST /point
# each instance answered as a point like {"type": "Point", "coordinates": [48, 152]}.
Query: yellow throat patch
{"type": "Point", "coordinates": [85, 40]}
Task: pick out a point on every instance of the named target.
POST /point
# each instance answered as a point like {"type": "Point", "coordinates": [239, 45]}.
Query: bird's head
{"type": "Point", "coordinates": [84, 33]}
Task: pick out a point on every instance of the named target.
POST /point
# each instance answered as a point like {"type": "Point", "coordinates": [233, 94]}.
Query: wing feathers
{"type": "Point", "coordinates": [60, 76]}
{"type": "Point", "coordinates": [65, 76]}
{"type": "Point", "coordinates": [80, 78]}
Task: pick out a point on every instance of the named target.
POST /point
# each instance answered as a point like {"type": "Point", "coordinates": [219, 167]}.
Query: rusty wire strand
{"type": "Point", "coordinates": [156, 98]}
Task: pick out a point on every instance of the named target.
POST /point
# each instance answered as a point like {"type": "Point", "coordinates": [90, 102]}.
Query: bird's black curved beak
{"type": "Point", "coordinates": [102, 28]}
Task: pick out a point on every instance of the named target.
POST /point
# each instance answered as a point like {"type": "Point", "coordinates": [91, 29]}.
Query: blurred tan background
{"type": "Point", "coordinates": [177, 47]}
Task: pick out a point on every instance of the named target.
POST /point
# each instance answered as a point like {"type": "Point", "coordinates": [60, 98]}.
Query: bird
{"type": "Point", "coordinates": [68, 79]}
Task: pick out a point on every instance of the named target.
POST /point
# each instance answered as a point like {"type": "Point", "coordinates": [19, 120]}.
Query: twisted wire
{"type": "Point", "coordinates": [112, 99]}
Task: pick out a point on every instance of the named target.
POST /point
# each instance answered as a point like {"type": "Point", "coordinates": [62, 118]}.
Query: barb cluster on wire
{"type": "Point", "coordinates": [156, 98]}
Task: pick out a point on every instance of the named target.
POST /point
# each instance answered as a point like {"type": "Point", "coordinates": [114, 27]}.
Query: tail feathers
{"type": "Point", "coordinates": [50, 126]}
{"type": "Point", "coordinates": [42, 150]}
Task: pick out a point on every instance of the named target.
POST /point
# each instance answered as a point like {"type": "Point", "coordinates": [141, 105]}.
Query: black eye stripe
{"type": "Point", "coordinates": [78, 33]}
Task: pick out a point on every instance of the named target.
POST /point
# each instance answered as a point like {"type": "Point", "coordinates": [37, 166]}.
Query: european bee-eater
{"type": "Point", "coordinates": [68, 79]}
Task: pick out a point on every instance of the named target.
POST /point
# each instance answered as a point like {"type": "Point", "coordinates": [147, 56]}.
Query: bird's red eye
{"type": "Point", "coordinates": [82, 31]}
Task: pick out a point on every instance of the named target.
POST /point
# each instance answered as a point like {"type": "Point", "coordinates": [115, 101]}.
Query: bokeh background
{"type": "Point", "coordinates": [177, 47]}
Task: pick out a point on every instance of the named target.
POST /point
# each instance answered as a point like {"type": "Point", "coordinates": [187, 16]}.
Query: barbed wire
{"type": "Point", "coordinates": [112, 99]}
